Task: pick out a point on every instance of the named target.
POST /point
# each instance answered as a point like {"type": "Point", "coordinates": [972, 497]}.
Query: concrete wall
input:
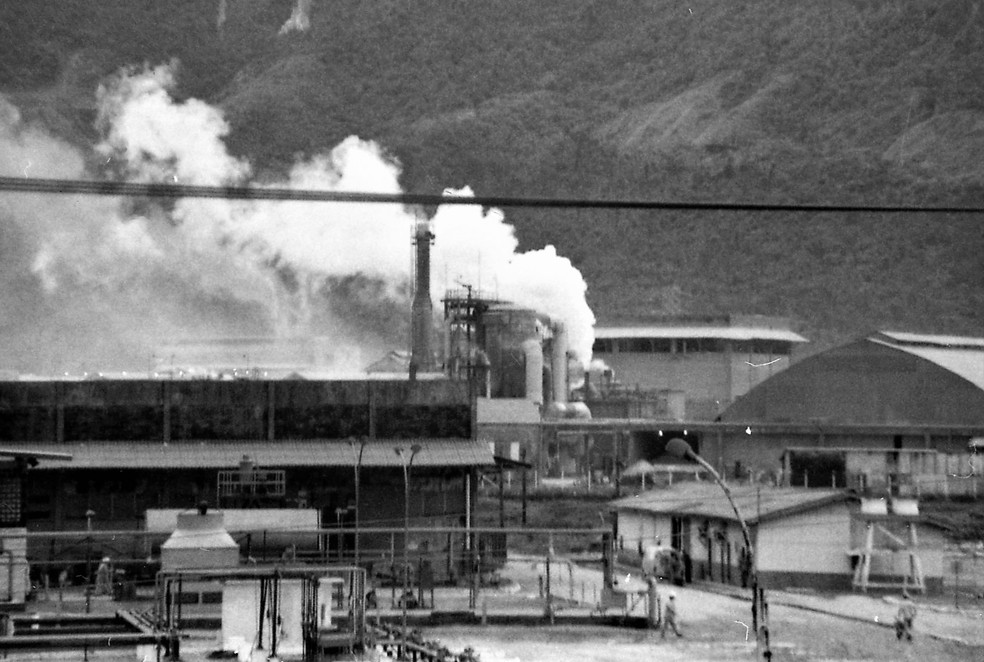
{"type": "Point", "coordinates": [700, 375]}
{"type": "Point", "coordinates": [762, 450]}
{"type": "Point", "coordinates": [710, 380]}
{"type": "Point", "coordinates": [636, 527]}
{"type": "Point", "coordinates": [808, 550]}
{"type": "Point", "coordinates": [812, 543]}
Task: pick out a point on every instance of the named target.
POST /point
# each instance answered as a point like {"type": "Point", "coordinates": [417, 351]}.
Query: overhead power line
{"type": "Point", "coordinates": [84, 187]}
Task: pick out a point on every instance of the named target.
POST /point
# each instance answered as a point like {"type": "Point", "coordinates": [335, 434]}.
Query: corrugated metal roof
{"type": "Point", "coordinates": [943, 341]}
{"type": "Point", "coordinates": [966, 363]}
{"type": "Point", "coordinates": [723, 332]}
{"type": "Point", "coordinates": [266, 454]}
{"type": "Point", "coordinates": [708, 500]}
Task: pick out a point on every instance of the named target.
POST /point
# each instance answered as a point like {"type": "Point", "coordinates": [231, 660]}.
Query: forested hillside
{"type": "Point", "coordinates": [840, 102]}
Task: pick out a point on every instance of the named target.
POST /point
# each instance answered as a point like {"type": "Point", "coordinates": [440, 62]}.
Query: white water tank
{"type": "Point", "coordinates": [578, 410]}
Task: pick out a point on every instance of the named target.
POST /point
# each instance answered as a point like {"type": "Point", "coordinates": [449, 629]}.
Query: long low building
{"type": "Point", "coordinates": [809, 538]}
{"type": "Point", "coordinates": [140, 445]}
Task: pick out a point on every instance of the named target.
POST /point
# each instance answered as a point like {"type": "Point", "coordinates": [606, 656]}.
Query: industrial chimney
{"type": "Point", "coordinates": [421, 316]}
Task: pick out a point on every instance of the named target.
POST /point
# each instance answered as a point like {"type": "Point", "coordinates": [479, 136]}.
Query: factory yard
{"type": "Point", "coordinates": [712, 620]}
{"type": "Point", "coordinates": [805, 627]}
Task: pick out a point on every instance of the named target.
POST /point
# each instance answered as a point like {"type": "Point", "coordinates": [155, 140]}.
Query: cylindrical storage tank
{"type": "Point", "coordinates": [533, 352]}
{"type": "Point", "coordinates": [558, 358]}
{"type": "Point", "coordinates": [199, 541]}
{"type": "Point", "coordinates": [578, 410]}
{"type": "Point", "coordinates": [483, 372]}
{"type": "Point", "coordinates": [556, 410]}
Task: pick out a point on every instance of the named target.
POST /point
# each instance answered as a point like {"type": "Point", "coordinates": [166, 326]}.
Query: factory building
{"type": "Point", "coordinates": [143, 445]}
{"type": "Point", "coordinates": [891, 407]}
{"type": "Point", "coordinates": [685, 367]}
{"type": "Point", "coordinates": [273, 434]}
{"type": "Point", "coordinates": [913, 402]}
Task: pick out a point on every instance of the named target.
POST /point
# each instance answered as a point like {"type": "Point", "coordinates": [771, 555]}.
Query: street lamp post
{"type": "Point", "coordinates": [89, 514]}
{"type": "Point", "coordinates": [358, 472]}
{"type": "Point", "coordinates": [407, 464]}
{"type": "Point", "coordinates": [680, 448]}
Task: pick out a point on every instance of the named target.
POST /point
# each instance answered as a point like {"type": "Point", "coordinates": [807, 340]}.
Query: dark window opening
{"type": "Point", "coordinates": [603, 346]}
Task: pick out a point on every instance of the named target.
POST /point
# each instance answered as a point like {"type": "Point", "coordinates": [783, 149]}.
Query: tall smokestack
{"type": "Point", "coordinates": [422, 315]}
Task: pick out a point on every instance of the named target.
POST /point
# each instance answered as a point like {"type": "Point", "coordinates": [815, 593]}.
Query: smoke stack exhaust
{"type": "Point", "coordinates": [421, 316]}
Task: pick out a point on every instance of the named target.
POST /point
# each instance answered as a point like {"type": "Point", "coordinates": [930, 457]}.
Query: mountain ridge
{"type": "Point", "coordinates": [846, 102]}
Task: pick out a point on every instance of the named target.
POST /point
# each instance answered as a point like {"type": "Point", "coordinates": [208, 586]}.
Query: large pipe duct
{"type": "Point", "coordinates": [533, 352]}
{"type": "Point", "coordinates": [421, 317]}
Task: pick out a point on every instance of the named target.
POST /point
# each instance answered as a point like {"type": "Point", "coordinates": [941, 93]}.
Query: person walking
{"type": "Point", "coordinates": [670, 616]}
{"type": "Point", "coordinates": [905, 618]}
{"type": "Point", "coordinates": [104, 577]}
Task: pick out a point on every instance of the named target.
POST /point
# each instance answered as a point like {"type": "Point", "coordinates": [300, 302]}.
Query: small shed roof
{"type": "Point", "coordinates": [228, 454]}
{"type": "Point", "coordinates": [708, 500]}
{"type": "Point", "coordinates": [639, 468]}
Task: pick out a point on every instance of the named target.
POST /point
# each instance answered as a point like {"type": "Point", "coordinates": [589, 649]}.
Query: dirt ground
{"type": "Point", "coordinates": [714, 628]}
{"type": "Point", "coordinates": [799, 637]}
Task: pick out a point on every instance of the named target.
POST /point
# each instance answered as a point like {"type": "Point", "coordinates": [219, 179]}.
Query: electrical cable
{"type": "Point", "coordinates": [114, 188]}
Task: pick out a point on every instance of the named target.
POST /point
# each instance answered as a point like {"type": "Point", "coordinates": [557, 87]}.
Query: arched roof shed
{"type": "Point", "coordinates": [888, 378]}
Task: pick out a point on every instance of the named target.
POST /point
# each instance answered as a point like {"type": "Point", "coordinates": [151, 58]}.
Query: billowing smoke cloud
{"type": "Point", "coordinates": [300, 18]}
{"type": "Point", "coordinates": [109, 280]}
{"type": "Point", "coordinates": [479, 249]}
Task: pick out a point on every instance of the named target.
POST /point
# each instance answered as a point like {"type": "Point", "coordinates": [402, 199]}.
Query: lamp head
{"type": "Point", "coordinates": [677, 447]}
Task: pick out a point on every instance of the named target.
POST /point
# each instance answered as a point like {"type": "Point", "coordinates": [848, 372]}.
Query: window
{"type": "Point", "coordinates": [711, 345]}
{"type": "Point", "coordinates": [770, 347]}
{"type": "Point", "coordinates": [603, 346]}
{"type": "Point", "coordinates": [662, 345]}
{"type": "Point", "coordinates": [635, 345]}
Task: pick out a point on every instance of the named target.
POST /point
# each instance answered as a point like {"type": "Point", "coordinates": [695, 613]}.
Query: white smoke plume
{"type": "Point", "coordinates": [109, 280]}
{"type": "Point", "coordinates": [300, 18]}
{"type": "Point", "coordinates": [479, 248]}
{"type": "Point", "coordinates": [220, 17]}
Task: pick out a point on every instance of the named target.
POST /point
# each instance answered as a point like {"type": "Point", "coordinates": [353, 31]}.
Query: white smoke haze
{"type": "Point", "coordinates": [478, 248]}
{"type": "Point", "coordinates": [110, 280]}
{"type": "Point", "coordinates": [220, 17]}
{"type": "Point", "coordinates": [159, 139]}
{"type": "Point", "coordinates": [300, 18]}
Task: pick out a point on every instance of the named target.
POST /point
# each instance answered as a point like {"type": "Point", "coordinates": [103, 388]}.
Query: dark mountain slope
{"type": "Point", "coordinates": [835, 102]}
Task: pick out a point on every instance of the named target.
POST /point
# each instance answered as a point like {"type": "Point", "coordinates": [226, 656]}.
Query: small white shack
{"type": "Point", "coordinates": [808, 538]}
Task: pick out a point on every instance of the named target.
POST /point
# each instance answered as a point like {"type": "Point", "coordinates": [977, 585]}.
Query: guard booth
{"type": "Point", "coordinates": [14, 569]}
